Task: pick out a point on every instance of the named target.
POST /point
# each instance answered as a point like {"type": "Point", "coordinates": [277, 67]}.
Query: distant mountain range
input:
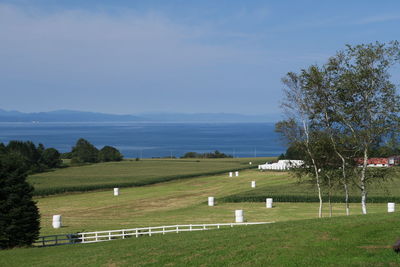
{"type": "Point", "coordinates": [84, 116]}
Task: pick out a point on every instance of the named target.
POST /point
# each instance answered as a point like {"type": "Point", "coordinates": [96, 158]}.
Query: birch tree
{"type": "Point", "coordinates": [365, 100]}
{"type": "Point", "coordinates": [297, 128]}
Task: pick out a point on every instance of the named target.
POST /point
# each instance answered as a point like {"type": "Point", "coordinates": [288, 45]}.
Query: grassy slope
{"type": "Point", "coordinates": [342, 241]}
{"type": "Point", "coordinates": [130, 173]}
{"type": "Point", "coordinates": [293, 191]}
{"type": "Point", "coordinates": [175, 202]}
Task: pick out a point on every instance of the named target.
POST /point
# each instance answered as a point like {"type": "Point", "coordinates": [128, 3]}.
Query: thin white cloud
{"type": "Point", "coordinates": [378, 19]}
{"type": "Point", "coordinates": [136, 61]}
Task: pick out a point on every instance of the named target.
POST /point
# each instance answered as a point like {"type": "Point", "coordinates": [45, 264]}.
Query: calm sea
{"type": "Point", "coordinates": [149, 140]}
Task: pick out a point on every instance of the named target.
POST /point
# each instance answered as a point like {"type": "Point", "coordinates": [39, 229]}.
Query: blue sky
{"type": "Point", "coordinates": [129, 57]}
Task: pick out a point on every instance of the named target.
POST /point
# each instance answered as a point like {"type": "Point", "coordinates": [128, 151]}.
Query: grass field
{"type": "Point", "coordinates": [132, 173]}
{"type": "Point", "coordinates": [341, 241]}
{"type": "Point", "coordinates": [293, 191]}
{"type": "Point", "coordinates": [295, 238]}
{"type": "Point", "coordinates": [176, 202]}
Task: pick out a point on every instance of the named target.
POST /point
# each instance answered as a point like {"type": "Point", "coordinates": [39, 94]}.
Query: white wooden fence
{"type": "Point", "coordinates": [100, 236]}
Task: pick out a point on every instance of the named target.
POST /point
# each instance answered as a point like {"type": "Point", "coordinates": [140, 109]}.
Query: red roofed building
{"type": "Point", "coordinates": [380, 162]}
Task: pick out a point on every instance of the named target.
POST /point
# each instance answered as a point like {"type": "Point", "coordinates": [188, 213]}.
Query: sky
{"type": "Point", "coordinates": [209, 56]}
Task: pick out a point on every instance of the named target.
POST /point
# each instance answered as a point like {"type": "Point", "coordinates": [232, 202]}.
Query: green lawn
{"type": "Point", "coordinates": [341, 241]}
{"type": "Point", "coordinates": [306, 191]}
{"type": "Point", "coordinates": [294, 240]}
{"type": "Point", "coordinates": [176, 202]}
{"type": "Point", "coordinates": [131, 173]}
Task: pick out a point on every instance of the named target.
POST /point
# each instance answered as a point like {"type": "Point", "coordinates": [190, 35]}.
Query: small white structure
{"type": "Point", "coordinates": [239, 218]}
{"type": "Point", "coordinates": [268, 203]}
{"type": "Point", "coordinates": [250, 163]}
{"type": "Point", "coordinates": [116, 191]}
{"type": "Point", "coordinates": [281, 165]}
{"type": "Point", "coordinates": [391, 207]}
{"type": "Point", "coordinates": [253, 184]}
{"type": "Point", "coordinates": [236, 173]}
{"type": "Point", "coordinates": [211, 201]}
{"type": "Point", "coordinates": [57, 221]}
{"type": "Point", "coordinates": [230, 174]}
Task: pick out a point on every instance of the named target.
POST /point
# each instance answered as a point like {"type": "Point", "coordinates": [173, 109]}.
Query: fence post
{"type": "Point", "coordinates": [218, 226]}
{"type": "Point", "coordinates": [83, 238]}
{"type": "Point", "coordinates": [109, 235]}
{"type": "Point", "coordinates": [96, 237]}
{"type": "Point", "coordinates": [190, 227]}
{"type": "Point", "coordinates": [149, 231]}
{"type": "Point", "coordinates": [137, 234]}
{"type": "Point", "coordinates": [44, 243]}
{"type": "Point", "coordinates": [56, 240]}
{"type": "Point", "coordinates": [204, 226]}
{"type": "Point", "coordinates": [177, 229]}
{"type": "Point", "coordinates": [123, 234]}
{"type": "Point", "coordinates": [163, 230]}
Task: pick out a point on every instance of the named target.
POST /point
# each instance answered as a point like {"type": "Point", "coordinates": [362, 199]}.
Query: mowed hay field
{"type": "Point", "coordinates": [177, 202]}
{"type": "Point", "coordinates": [363, 240]}
{"type": "Point", "coordinates": [132, 173]}
{"type": "Point", "coordinates": [295, 239]}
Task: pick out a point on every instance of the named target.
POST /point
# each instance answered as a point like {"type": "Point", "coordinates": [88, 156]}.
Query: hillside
{"type": "Point", "coordinates": [342, 241]}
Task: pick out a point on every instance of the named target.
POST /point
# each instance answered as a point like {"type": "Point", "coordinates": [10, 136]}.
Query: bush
{"type": "Point", "coordinates": [210, 155]}
{"type": "Point", "coordinates": [84, 152]}
{"type": "Point", "coordinates": [109, 153]}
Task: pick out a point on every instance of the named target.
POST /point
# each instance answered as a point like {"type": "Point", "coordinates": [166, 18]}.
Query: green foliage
{"type": "Point", "coordinates": [211, 155]}
{"type": "Point", "coordinates": [66, 155]}
{"type": "Point", "coordinates": [51, 158]}
{"type": "Point", "coordinates": [84, 152]}
{"type": "Point", "coordinates": [36, 159]}
{"type": "Point", "coordinates": [295, 152]}
{"type": "Point", "coordinates": [109, 153]}
{"type": "Point", "coordinates": [19, 216]}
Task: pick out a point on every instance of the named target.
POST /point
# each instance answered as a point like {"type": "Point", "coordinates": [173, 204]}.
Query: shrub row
{"type": "Point", "coordinates": [307, 198]}
{"type": "Point", "coordinates": [149, 181]}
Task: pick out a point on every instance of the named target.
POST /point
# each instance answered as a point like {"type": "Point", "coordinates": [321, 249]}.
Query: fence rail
{"type": "Point", "coordinates": [56, 240]}
{"type": "Point", "coordinates": [100, 236]}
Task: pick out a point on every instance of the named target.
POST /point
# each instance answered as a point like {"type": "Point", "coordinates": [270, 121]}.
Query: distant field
{"type": "Point", "coordinates": [342, 241]}
{"type": "Point", "coordinates": [177, 202]}
{"type": "Point", "coordinates": [306, 191]}
{"type": "Point", "coordinates": [132, 173]}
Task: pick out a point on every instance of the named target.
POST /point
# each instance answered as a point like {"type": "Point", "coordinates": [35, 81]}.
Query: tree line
{"type": "Point", "coordinates": [343, 110]}
{"type": "Point", "coordinates": [19, 215]}
{"type": "Point", "coordinates": [38, 158]}
{"type": "Point", "coordinates": [85, 152]}
{"type": "Point", "coordinates": [209, 155]}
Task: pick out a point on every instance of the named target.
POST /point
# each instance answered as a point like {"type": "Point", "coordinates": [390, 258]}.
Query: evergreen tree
{"type": "Point", "coordinates": [19, 216]}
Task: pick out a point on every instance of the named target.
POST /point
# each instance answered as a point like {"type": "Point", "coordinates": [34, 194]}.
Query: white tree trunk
{"type": "Point", "coordinates": [346, 194]}
{"type": "Point", "coordinates": [363, 185]}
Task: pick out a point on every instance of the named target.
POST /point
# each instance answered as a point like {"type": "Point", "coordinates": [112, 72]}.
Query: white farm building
{"type": "Point", "coordinates": [281, 165]}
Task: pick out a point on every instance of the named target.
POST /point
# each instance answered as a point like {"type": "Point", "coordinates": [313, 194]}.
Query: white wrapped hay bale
{"type": "Point", "coordinates": [236, 173]}
{"type": "Point", "coordinates": [239, 217]}
{"type": "Point", "coordinates": [230, 174]}
{"type": "Point", "coordinates": [391, 206]}
{"type": "Point", "coordinates": [253, 184]}
{"type": "Point", "coordinates": [268, 202]}
{"type": "Point", "coordinates": [211, 201]}
{"type": "Point", "coordinates": [116, 191]}
{"type": "Point", "coordinates": [56, 221]}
